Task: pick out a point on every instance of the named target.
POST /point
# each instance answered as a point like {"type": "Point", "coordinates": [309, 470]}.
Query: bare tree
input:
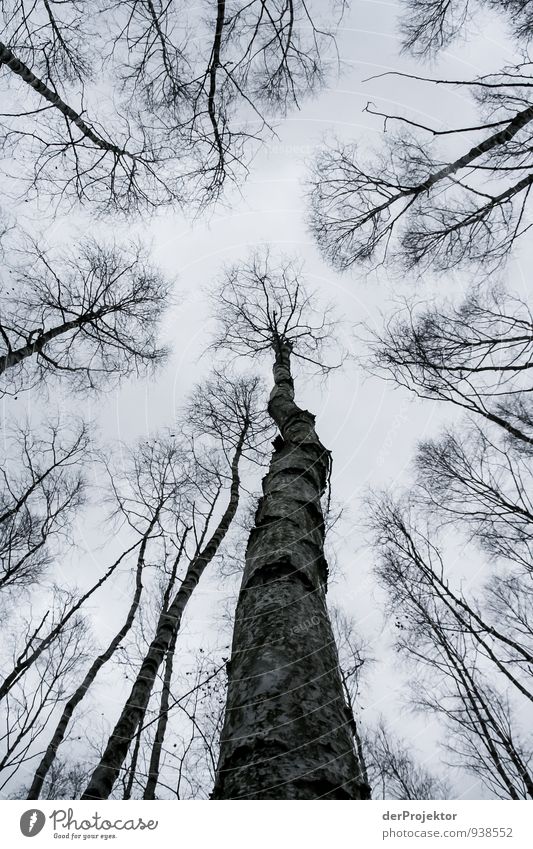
{"type": "Point", "coordinates": [41, 488]}
{"type": "Point", "coordinates": [287, 729]}
{"type": "Point", "coordinates": [52, 37]}
{"type": "Point", "coordinates": [469, 674]}
{"type": "Point", "coordinates": [106, 772]}
{"type": "Point", "coordinates": [187, 761]}
{"type": "Point", "coordinates": [196, 91]}
{"type": "Point", "coordinates": [476, 355]}
{"type": "Point", "coordinates": [49, 627]}
{"type": "Point", "coordinates": [481, 484]}
{"type": "Point", "coordinates": [148, 485]}
{"type": "Point", "coordinates": [428, 26]}
{"type": "Point", "coordinates": [413, 198]}
{"type": "Point", "coordinates": [87, 316]}
{"type": "Point", "coordinates": [394, 773]}
{"type": "Point", "coordinates": [65, 780]}
{"type": "Point", "coordinates": [32, 700]}
{"type": "Point", "coordinates": [353, 660]}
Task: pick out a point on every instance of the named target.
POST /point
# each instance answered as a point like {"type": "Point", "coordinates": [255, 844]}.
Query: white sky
{"type": "Point", "coordinates": [371, 428]}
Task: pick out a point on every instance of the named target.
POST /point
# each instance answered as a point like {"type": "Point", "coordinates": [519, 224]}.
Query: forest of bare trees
{"type": "Point", "coordinates": [193, 602]}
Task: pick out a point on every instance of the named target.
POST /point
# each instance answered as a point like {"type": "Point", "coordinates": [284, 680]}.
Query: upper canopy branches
{"type": "Point", "coordinates": [430, 25]}
{"type": "Point", "coordinates": [477, 354]}
{"type": "Point", "coordinates": [262, 305]}
{"type": "Point", "coordinates": [419, 199]}
{"type": "Point", "coordinates": [196, 87]}
{"type": "Point", "coordinates": [442, 212]}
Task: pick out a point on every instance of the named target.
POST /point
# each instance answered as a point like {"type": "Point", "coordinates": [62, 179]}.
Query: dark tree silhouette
{"type": "Point", "coordinates": [415, 201]}
{"type": "Point", "coordinates": [477, 354]}
{"type": "Point", "coordinates": [41, 489]}
{"type": "Point", "coordinates": [33, 699]}
{"type": "Point", "coordinates": [471, 676]}
{"type": "Point", "coordinates": [250, 417]}
{"type": "Point", "coordinates": [394, 773]}
{"type": "Point", "coordinates": [196, 91]}
{"type": "Point", "coordinates": [480, 483]}
{"type": "Point", "coordinates": [88, 316]}
{"type": "Point", "coordinates": [150, 483]}
{"type": "Point", "coordinates": [428, 26]}
{"type": "Point", "coordinates": [287, 730]}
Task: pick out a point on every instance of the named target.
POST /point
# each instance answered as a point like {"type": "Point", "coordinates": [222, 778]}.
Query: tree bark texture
{"type": "Point", "coordinates": [288, 733]}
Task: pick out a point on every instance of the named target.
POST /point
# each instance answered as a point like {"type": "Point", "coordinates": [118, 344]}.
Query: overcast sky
{"type": "Point", "coordinates": [371, 429]}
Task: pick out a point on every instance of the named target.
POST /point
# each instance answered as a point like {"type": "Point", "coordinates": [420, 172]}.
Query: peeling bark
{"type": "Point", "coordinates": [106, 772]}
{"type": "Point", "coordinates": [288, 732]}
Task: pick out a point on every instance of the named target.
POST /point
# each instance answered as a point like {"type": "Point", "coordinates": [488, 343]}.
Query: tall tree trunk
{"type": "Point", "coordinates": [61, 729]}
{"type": "Point", "coordinates": [287, 731]}
{"type": "Point", "coordinates": [106, 772]}
{"type": "Point", "coordinates": [162, 722]}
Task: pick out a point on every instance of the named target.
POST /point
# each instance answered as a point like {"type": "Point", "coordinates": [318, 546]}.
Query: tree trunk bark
{"type": "Point", "coordinates": [288, 733]}
{"type": "Point", "coordinates": [128, 790]}
{"type": "Point", "coordinates": [14, 357]}
{"type": "Point", "coordinates": [106, 772]}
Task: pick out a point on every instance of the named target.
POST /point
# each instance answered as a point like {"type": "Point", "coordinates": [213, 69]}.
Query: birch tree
{"type": "Point", "coordinates": [149, 484]}
{"type": "Point", "coordinates": [240, 396]}
{"type": "Point", "coordinates": [33, 698]}
{"type": "Point", "coordinates": [86, 316]}
{"type": "Point", "coordinates": [42, 486]}
{"type": "Point", "coordinates": [394, 772]}
{"type": "Point", "coordinates": [417, 202]}
{"type": "Point", "coordinates": [466, 669]}
{"type": "Point", "coordinates": [476, 354]}
{"type": "Point", "coordinates": [195, 90]}
{"type": "Point", "coordinates": [287, 731]}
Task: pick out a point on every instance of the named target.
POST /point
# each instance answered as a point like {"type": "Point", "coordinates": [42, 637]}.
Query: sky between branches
{"type": "Point", "coordinates": [371, 429]}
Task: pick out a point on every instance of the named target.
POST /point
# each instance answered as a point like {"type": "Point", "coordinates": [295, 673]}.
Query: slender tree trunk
{"type": "Point", "coordinates": [128, 789]}
{"type": "Point", "coordinates": [162, 722]}
{"type": "Point", "coordinates": [24, 662]}
{"type": "Point", "coordinates": [106, 772]}
{"type": "Point", "coordinates": [288, 731]}
{"type": "Point", "coordinates": [8, 58]}
{"type": "Point", "coordinates": [61, 729]}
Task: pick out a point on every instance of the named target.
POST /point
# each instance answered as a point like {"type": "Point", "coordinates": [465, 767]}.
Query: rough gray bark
{"type": "Point", "coordinates": [106, 772]}
{"type": "Point", "coordinates": [62, 726]}
{"type": "Point", "coordinates": [288, 733]}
